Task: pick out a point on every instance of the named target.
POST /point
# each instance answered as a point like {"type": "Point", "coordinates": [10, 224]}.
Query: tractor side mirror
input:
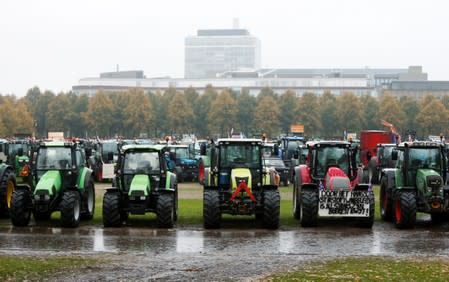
{"type": "Point", "coordinates": [394, 155]}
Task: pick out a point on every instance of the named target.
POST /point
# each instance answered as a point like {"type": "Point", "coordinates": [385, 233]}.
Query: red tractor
{"type": "Point", "coordinates": [369, 141]}
{"type": "Point", "coordinates": [328, 186]}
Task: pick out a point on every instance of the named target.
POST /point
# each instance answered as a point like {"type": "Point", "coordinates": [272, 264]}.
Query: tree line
{"type": "Point", "coordinates": [215, 113]}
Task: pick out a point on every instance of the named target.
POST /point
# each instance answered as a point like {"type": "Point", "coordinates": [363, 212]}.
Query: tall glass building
{"type": "Point", "coordinates": [214, 51]}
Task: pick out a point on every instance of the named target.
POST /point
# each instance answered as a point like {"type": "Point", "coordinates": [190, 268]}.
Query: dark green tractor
{"type": "Point", "coordinates": [238, 183]}
{"type": "Point", "coordinates": [60, 181]}
{"type": "Point", "coordinates": [143, 183]}
{"type": "Point", "coordinates": [416, 184]}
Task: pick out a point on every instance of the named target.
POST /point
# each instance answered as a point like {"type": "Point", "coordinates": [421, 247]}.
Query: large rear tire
{"type": "Point", "coordinates": [211, 209]}
{"type": "Point", "coordinates": [70, 209]}
{"type": "Point", "coordinates": [7, 188]}
{"type": "Point", "coordinates": [405, 210]}
{"type": "Point", "coordinates": [386, 202]}
{"type": "Point", "coordinates": [165, 211]}
{"type": "Point", "coordinates": [271, 209]}
{"type": "Point", "coordinates": [20, 212]}
{"type": "Point", "coordinates": [111, 210]}
{"type": "Point", "coordinates": [89, 202]}
{"type": "Point", "coordinates": [309, 208]}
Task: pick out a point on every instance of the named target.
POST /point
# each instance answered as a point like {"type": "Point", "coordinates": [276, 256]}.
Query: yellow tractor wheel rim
{"type": "Point", "coordinates": [9, 191]}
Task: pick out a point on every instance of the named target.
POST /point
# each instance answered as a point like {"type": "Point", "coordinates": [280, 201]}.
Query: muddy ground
{"type": "Point", "coordinates": [144, 253]}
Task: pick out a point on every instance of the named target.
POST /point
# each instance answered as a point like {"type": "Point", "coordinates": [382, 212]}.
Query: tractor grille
{"type": "Point", "coordinates": [434, 182]}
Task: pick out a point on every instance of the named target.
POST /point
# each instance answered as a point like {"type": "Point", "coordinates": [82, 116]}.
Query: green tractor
{"type": "Point", "coordinates": [238, 183]}
{"type": "Point", "coordinates": [60, 181]}
{"type": "Point", "coordinates": [143, 183]}
{"type": "Point", "coordinates": [417, 184]}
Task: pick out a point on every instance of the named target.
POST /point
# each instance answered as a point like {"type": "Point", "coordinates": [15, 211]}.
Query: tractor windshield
{"type": "Point", "coordinates": [331, 156]}
{"type": "Point", "coordinates": [141, 162]}
{"type": "Point", "coordinates": [424, 158]}
{"type": "Point", "coordinates": [240, 155]}
{"type": "Point", "coordinates": [14, 148]}
{"type": "Point", "coordinates": [54, 158]}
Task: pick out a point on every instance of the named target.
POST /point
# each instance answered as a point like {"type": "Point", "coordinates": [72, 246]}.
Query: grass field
{"type": "Point", "coordinates": [369, 269]}
{"type": "Point", "coordinates": [14, 268]}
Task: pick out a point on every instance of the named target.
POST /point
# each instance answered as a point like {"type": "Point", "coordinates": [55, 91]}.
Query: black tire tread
{"type": "Point", "coordinates": [165, 211]}
{"type": "Point", "coordinates": [20, 214]}
{"type": "Point", "coordinates": [211, 209]}
{"type": "Point", "coordinates": [111, 210]}
{"type": "Point", "coordinates": [309, 208]}
{"type": "Point", "coordinates": [271, 209]}
{"type": "Point", "coordinates": [69, 200]}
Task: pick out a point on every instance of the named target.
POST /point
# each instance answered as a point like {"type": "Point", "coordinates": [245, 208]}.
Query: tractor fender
{"type": "Point", "coordinates": [4, 168]}
{"type": "Point", "coordinates": [165, 191]}
{"type": "Point", "coordinates": [84, 177]}
{"type": "Point", "coordinates": [170, 180]}
{"type": "Point", "coordinates": [389, 174]}
{"type": "Point", "coordinates": [269, 187]}
{"type": "Point", "coordinates": [113, 190]}
{"type": "Point", "coordinates": [88, 177]}
{"type": "Point", "coordinates": [309, 187]}
{"type": "Point", "coordinates": [302, 173]}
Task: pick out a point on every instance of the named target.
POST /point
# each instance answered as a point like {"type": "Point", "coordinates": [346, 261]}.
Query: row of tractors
{"type": "Point", "coordinates": [335, 180]}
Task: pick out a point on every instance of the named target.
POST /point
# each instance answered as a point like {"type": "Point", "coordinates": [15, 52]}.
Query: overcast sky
{"type": "Point", "coordinates": [52, 44]}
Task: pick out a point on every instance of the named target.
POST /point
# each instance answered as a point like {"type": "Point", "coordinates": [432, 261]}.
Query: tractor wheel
{"type": "Point", "coordinates": [165, 211]}
{"type": "Point", "coordinates": [405, 210]}
{"type": "Point", "coordinates": [112, 214]}
{"type": "Point", "coordinates": [296, 201]}
{"type": "Point", "coordinates": [211, 209]}
{"type": "Point", "coordinates": [309, 208]}
{"type": "Point", "coordinates": [7, 184]}
{"type": "Point", "coordinates": [271, 209]}
{"type": "Point", "coordinates": [20, 212]}
{"type": "Point", "coordinates": [89, 202]}
{"type": "Point", "coordinates": [70, 209]}
{"type": "Point", "coordinates": [367, 222]}
{"type": "Point", "coordinates": [386, 202]}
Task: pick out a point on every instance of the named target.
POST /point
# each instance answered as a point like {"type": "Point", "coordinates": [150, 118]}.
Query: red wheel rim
{"type": "Point", "coordinates": [397, 210]}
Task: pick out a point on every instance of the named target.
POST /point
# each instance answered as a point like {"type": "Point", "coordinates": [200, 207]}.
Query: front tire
{"type": "Point", "coordinates": [309, 209]}
{"type": "Point", "coordinates": [89, 202]}
{"type": "Point", "coordinates": [271, 209]}
{"type": "Point", "coordinates": [296, 202]}
{"type": "Point", "coordinates": [405, 210]}
{"type": "Point", "coordinates": [20, 212]}
{"type": "Point", "coordinates": [111, 210]}
{"type": "Point", "coordinates": [165, 211]}
{"type": "Point", "coordinates": [211, 209]}
{"type": "Point", "coordinates": [70, 209]}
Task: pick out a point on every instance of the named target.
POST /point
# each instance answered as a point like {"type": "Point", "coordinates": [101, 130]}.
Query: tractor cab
{"type": "Point", "coordinates": [325, 155]}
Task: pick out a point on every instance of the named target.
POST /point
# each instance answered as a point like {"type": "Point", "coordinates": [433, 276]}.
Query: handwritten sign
{"type": "Point", "coordinates": [344, 203]}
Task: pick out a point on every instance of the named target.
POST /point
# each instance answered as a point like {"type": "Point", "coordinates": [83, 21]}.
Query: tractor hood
{"type": "Point", "coordinates": [428, 178]}
{"type": "Point", "coordinates": [337, 180]}
{"type": "Point", "coordinates": [140, 185]}
{"type": "Point", "coordinates": [50, 182]}
{"type": "Point", "coordinates": [241, 174]}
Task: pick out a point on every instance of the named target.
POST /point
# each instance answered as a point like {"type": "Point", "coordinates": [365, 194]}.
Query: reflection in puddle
{"type": "Point", "coordinates": [286, 242]}
{"type": "Point", "coordinates": [189, 241]}
{"type": "Point", "coordinates": [99, 241]}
